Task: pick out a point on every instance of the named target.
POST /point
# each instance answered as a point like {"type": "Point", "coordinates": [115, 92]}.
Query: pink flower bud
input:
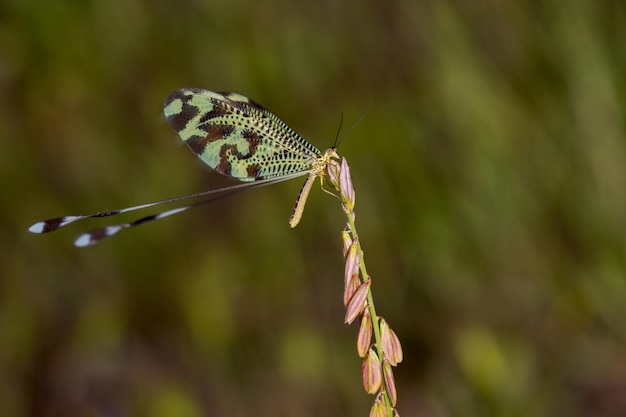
{"type": "Point", "coordinates": [370, 372]}
{"type": "Point", "coordinates": [390, 382]}
{"type": "Point", "coordinates": [357, 302]}
{"type": "Point", "coordinates": [347, 241]}
{"type": "Point", "coordinates": [378, 409]}
{"type": "Point", "coordinates": [332, 169]}
{"type": "Point", "coordinates": [350, 288]}
{"type": "Point", "coordinates": [364, 339]}
{"type": "Point", "coordinates": [346, 189]}
{"type": "Point", "coordinates": [392, 350]}
{"type": "Point", "coordinates": [352, 264]}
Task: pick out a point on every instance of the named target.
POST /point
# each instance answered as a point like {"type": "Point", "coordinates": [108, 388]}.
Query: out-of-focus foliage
{"type": "Point", "coordinates": [491, 201]}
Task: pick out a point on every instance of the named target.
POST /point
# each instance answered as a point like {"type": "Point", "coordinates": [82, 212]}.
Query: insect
{"type": "Point", "coordinates": [236, 137]}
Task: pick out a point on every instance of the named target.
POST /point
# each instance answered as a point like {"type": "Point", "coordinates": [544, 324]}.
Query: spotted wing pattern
{"type": "Point", "coordinates": [237, 136]}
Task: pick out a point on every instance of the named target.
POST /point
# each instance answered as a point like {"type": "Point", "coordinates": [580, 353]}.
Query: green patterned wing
{"type": "Point", "coordinates": [236, 136]}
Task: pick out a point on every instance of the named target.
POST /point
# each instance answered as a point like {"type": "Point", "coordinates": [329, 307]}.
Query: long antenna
{"type": "Point", "coordinates": [338, 142]}
{"type": "Point", "coordinates": [338, 130]}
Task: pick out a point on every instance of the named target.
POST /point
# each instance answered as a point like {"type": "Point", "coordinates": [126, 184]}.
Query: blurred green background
{"type": "Point", "coordinates": [491, 201]}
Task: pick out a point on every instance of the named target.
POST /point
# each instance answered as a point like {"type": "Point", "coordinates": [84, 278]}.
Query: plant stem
{"type": "Point", "coordinates": [370, 302]}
